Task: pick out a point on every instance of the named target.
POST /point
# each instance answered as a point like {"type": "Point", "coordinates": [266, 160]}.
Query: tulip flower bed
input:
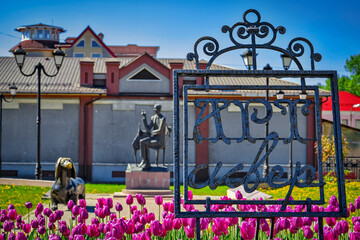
{"type": "Point", "coordinates": [142, 225]}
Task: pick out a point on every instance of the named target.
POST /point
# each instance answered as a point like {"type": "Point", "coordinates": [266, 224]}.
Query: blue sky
{"type": "Point", "coordinates": [332, 26]}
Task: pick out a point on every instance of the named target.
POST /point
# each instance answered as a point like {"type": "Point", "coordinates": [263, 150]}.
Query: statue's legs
{"type": "Point", "coordinates": [145, 145]}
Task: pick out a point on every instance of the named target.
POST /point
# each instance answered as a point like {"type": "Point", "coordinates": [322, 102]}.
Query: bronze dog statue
{"type": "Point", "coordinates": [67, 186]}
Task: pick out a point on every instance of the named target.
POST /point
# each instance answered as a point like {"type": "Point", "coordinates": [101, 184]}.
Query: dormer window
{"type": "Point", "coordinates": [81, 44]}
{"type": "Point", "coordinates": [39, 33]}
{"type": "Point", "coordinates": [46, 34]}
{"type": "Point", "coordinates": [144, 74]}
{"type": "Point", "coordinates": [94, 44]}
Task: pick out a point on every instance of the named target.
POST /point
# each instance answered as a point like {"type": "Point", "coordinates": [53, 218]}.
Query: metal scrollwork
{"type": "Point", "coordinates": [257, 29]}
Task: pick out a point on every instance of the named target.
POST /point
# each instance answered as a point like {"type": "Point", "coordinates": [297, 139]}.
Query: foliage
{"type": "Point", "coordinates": [349, 84]}
{"type": "Point", "coordinates": [328, 147]}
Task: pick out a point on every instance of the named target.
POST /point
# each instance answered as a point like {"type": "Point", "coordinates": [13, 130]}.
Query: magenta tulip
{"type": "Point", "coordinates": [82, 203]}
{"type": "Point", "coordinates": [8, 225]}
{"type": "Point", "coordinates": [26, 227]}
{"type": "Point", "coordinates": [156, 228]}
{"type": "Point", "coordinates": [158, 200]}
{"type": "Point", "coordinates": [238, 195]}
{"type": "Point", "coordinates": [41, 230]}
{"type": "Point", "coordinates": [247, 230]}
{"type": "Point", "coordinates": [21, 236]}
{"type": "Point", "coordinates": [308, 233]}
{"type": "Point", "coordinates": [70, 205]}
{"type": "Point", "coordinates": [118, 207]}
{"type": "Point", "coordinates": [190, 195]}
{"type": "Point", "coordinates": [354, 236]}
{"type": "Point", "coordinates": [189, 231]}
{"type": "Point", "coordinates": [129, 199]}
{"type": "Point", "coordinates": [28, 205]}
{"type": "Point", "coordinates": [12, 214]}
{"type": "Point", "coordinates": [75, 210]}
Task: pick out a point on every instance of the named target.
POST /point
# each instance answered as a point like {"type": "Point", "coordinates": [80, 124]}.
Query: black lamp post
{"type": "Point", "coordinates": [13, 89]}
{"type": "Point", "coordinates": [20, 59]}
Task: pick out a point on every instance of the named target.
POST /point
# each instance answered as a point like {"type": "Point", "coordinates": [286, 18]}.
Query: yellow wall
{"type": "Point", "coordinates": [88, 49]}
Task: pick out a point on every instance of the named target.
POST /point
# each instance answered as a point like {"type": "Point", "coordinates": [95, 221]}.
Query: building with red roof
{"type": "Point", "coordinates": [349, 109]}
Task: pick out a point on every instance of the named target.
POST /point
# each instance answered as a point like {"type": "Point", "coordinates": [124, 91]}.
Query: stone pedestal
{"type": "Point", "coordinates": [152, 181]}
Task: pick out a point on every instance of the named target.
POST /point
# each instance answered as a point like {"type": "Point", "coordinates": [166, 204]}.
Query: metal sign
{"type": "Point", "coordinates": [303, 175]}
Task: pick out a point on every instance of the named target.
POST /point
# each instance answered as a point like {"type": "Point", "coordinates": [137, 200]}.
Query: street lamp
{"type": "Point", "coordinates": [13, 89]}
{"type": "Point", "coordinates": [247, 56]}
{"type": "Point", "coordinates": [354, 106]}
{"type": "Point", "coordinates": [20, 59]}
{"type": "Point", "coordinates": [286, 59]}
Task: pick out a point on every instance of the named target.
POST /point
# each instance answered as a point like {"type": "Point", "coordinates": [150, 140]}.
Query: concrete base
{"type": "Point", "coordinates": [154, 178]}
{"type": "Point", "coordinates": [249, 196]}
{"type": "Point", "coordinates": [146, 193]}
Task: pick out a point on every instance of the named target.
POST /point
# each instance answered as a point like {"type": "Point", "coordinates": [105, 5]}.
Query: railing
{"type": "Point", "coordinates": [351, 164]}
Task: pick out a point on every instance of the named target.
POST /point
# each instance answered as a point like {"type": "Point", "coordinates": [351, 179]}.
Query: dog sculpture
{"type": "Point", "coordinates": [67, 186]}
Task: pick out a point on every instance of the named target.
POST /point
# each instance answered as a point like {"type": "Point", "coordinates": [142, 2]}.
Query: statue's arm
{"type": "Point", "coordinates": [161, 129]}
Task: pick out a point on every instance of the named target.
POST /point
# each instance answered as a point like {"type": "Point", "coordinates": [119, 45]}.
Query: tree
{"type": "Point", "coordinates": [350, 84]}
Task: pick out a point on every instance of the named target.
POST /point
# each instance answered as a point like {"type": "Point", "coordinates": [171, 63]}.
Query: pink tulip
{"type": "Point", "coordinates": [238, 195]}
{"type": "Point", "coordinates": [70, 204]}
{"type": "Point", "coordinates": [357, 203]}
{"type": "Point", "coordinates": [12, 214]}
{"type": "Point", "coordinates": [159, 200]}
{"type": "Point", "coordinates": [190, 195]}
{"type": "Point", "coordinates": [118, 207]}
{"type": "Point", "coordinates": [247, 230]}
{"type": "Point", "coordinates": [117, 231]}
{"type": "Point", "coordinates": [190, 232]}
{"type": "Point", "coordinates": [129, 199]}
{"type": "Point", "coordinates": [28, 205]}
{"type": "Point", "coordinates": [354, 236]}
{"type": "Point", "coordinates": [177, 224]}
{"type": "Point", "coordinates": [156, 228]}
{"type": "Point", "coordinates": [308, 233]}
{"type": "Point", "coordinates": [82, 203]}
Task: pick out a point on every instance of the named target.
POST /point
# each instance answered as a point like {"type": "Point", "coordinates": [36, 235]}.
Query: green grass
{"type": "Point", "coordinates": [103, 188]}
{"type": "Point", "coordinates": [18, 195]}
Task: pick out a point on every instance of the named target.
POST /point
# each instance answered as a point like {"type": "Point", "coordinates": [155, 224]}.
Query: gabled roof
{"type": "Point", "coordinates": [34, 45]}
{"type": "Point", "coordinates": [88, 28]}
{"type": "Point", "coordinates": [66, 82]}
{"type": "Point", "coordinates": [133, 50]}
{"type": "Point", "coordinates": [347, 101]}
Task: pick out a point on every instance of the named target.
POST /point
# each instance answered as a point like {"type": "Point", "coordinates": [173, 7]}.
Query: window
{"type": "Point", "coordinates": [189, 80]}
{"type": "Point", "coordinates": [96, 55]}
{"type": "Point", "coordinates": [46, 34]}
{"type": "Point", "coordinates": [81, 44]}
{"type": "Point", "coordinates": [144, 74]}
{"type": "Point", "coordinates": [79, 55]}
{"type": "Point", "coordinates": [39, 33]}
{"type": "Point", "coordinates": [357, 123]}
{"type": "Point", "coordinates": [94, 44]}
{"type": "Point", "coordinates": [344, 121]}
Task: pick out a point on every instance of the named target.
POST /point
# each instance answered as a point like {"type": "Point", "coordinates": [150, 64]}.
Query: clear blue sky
{"type": "Point", "coordinates": [332, 26]}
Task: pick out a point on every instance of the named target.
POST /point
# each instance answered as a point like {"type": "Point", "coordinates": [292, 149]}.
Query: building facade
{"type": "Point", "coordinates": [91, 112]}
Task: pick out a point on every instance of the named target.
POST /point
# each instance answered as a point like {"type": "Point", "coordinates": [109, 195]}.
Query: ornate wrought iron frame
{"type": "Point", "coordinates": [294, 50]}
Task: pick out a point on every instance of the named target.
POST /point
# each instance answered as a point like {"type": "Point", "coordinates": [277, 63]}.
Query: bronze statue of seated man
{"type": "Point", "coordinates": [152, 137]}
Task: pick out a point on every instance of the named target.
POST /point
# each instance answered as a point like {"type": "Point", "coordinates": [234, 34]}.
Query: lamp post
{"type": "Point", "coordinates": [351, 118]}
{"type": "Point", "coordinates": [13, 89]}
{"type": "Point", "coordinates": [20, 59]}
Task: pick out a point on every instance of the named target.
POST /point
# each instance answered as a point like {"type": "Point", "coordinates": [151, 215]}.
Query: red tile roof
{"type": "Point", "coordinates": [36, 45]}
{"type": "Point", "coordinates": [133, 50]}
{"type": "Point", "coordinates": [347, 101]}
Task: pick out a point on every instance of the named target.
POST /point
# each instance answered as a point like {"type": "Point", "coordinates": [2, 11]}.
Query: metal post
{"type": "Point", "coordinates": [38, 174]}
{"type": "Point", "coordinates": [266, 167]}
{"type": "Point", "coordinates": [291, 160]}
